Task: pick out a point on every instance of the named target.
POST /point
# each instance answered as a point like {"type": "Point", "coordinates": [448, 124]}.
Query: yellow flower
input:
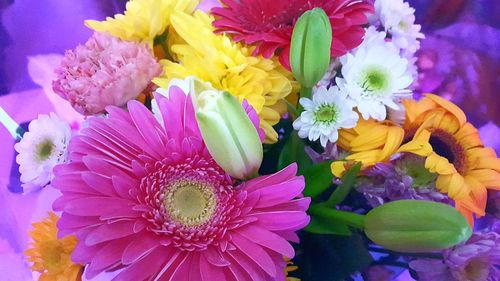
{"type": "Point", "coordinates": [143, 20]}
{"type": "Point", "coordinates": [289, 268]}
{"type": "Point", "coordinates": [438, 130]}
{"type": "Point", "coordinates": [369, 142]}
{"type": "Point", "coordinates": [51, 256]}
{"type": "Point", "coordinates": [228, 66]}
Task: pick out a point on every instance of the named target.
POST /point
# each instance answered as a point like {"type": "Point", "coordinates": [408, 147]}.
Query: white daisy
{"type": "Point", "coordinates": [327, 112]}
{"type": "Point", "coordinates": [398, 19]}
{"type": "Point", "coordinates": [374, 75]}
{"type": "Point", "coordinates": [40, 149]}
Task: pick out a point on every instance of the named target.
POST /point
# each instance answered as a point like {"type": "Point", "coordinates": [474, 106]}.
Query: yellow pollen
{"type": "Point", "coordinates": [190, 203]}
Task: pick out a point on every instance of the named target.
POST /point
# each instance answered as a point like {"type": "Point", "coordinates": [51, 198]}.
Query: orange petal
{"type": "Point", "coordinates": [479, 192]}
{"type": "Point", "coordinates": [451, 107]}
{"type": "Point", "coordinates": [488, 177]}
{"type": "Point", "coordinates": [466, 213]}
{"type": "Point", "coordinates": [469, 203]}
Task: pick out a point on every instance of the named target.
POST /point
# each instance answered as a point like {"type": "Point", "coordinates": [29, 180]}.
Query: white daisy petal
{"type": "Point", "coordinates": [327, 113]}
{"type": "Point", "coordinates": [40, 149]}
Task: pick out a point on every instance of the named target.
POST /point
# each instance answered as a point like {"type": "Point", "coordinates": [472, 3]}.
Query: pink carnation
{"type": "Point", "coordinates": [149, 199]}
{"type": "Point", "coordinates": [105, 71]}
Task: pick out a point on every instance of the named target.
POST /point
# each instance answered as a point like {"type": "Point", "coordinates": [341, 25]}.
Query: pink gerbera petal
{"type": "Point", "coordinates": [124, 194]}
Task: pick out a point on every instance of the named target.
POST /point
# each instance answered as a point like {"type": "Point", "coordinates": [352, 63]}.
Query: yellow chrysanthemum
{"type": "Point", "coordinates": [290, 267]}
{"type": "Point", "coordinates": [143, 20]}
{"type": "Point", "coordinates": [369, 142]}
{"type": "Point", "coordinates": [51, 256]}
{"type": "Point", "coordinates": [227, 66]}
{"type": "Point", "coordinates": [438, 130]}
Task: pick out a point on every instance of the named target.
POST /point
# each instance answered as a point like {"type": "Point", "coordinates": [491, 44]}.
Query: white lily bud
{"type": "Point", "coordinates": [228, 133]}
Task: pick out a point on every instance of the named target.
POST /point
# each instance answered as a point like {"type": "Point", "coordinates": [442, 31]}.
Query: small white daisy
{"type": "Point", "coordinates": [327, 112]}
{"type": "Point", "coordinates": [398, 19]}
{"type": "Point", "coordinates": [374, 75]}
{"type": "Point", "coordinates": [40, 149]}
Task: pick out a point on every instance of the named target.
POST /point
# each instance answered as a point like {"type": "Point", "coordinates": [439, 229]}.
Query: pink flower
{"type": "Point", "coordinates": [105, 71]}
{"type": "Point", "coordinates": [269, 24]}
{"type": "Point", "coordinates": [150, 200]}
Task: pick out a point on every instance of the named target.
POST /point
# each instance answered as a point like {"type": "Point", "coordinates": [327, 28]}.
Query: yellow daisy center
{"type": "Point", "coordinates": [190, 203]}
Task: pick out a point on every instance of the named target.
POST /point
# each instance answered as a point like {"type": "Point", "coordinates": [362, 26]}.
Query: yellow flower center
{"type": "Point", "coordinates": [190, 203]}
{"type": "Point", "coordinates": [51, 251]}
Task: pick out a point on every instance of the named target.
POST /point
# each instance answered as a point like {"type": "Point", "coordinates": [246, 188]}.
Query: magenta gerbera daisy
{"type": "Point", "coordinates": [148, 199]}
{"type": "Point", "coordinates": [269, 24]}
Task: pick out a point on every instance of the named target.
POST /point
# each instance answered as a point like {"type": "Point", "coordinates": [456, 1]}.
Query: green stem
{"type": "Point", "coordinates": [343, 189]}
{"type": "Point", "coordinates": [348, 218]}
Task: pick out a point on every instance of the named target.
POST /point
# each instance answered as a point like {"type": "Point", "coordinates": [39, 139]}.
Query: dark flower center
{"type": "Point", "coordinates": [445, 145]}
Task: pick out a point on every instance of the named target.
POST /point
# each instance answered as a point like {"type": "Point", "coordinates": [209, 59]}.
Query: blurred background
{"type": "Point", "coordinates": [459, 59]}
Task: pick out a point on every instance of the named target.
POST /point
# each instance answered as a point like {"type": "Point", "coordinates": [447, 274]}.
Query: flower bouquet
{"type": "Point", "coordinates": [257, 140]}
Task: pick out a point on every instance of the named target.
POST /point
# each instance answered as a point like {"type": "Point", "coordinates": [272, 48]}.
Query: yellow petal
{"type": "Point", "coordinates": [451, 107]}
{"type": "Point", "coordinates": [440, 165]}
{"type": "Point", "coordinates": [453, 184]}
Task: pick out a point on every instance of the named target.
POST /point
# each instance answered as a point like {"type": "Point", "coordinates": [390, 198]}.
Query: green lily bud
{"type": "Point", "coordinates": [416, 226]}
{"type": "Point", "coordinates": [310, 47]}
{"type": "Point", "coordinates": [228, 133]}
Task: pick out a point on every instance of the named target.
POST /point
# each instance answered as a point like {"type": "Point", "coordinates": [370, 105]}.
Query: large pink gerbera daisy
{"type": "Point", "coordinates": [149, 199]}
{"type": "Point", "coordinates": [269, 24]}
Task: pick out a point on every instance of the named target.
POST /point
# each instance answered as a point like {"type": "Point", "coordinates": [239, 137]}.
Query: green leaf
{"type": "Point", "coordinates": [318, 178]}
{"type": "Point", "coordinates": [345, 187]}
{"type": "Point", "coordinates": [293, 151]}
{"type": "Point", "coordinates": [320, 225]}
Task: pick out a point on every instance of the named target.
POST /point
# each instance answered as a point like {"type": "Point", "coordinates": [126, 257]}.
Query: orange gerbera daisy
{"type": "Point", "coordinates": [370, 142]}
{"type": "Point", "coordinates": [438, 130]}
{"type": "Point", "coordinates": [51, 256]}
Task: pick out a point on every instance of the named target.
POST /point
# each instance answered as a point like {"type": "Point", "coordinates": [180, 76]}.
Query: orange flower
{"type": "Point", "coordinates": [438, 130]}
{"type": "Point", "coordinates": [51, 256]}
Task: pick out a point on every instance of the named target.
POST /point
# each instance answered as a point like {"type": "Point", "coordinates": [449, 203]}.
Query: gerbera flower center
{"type": "Point", "coordinates": [374, 81]}
{"type": "Point", "coordinates": [446, 146]}
{"type": "Point", "coordinates": [326, 113]}
{"type": "Point", "coordinates": [190, 203]}
{"type": "Point", "coordinates": [44, 150]}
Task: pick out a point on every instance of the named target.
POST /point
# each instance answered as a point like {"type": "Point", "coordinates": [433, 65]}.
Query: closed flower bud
{"type": "Point", "coordinates": [230, 136]}
{"type": "Point", "coordinates": [310, 47]}
{"type": "Point", "coordinates": [416, 226]}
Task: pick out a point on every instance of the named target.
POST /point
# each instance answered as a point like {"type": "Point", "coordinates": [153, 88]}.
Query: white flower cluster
{"type": "Point", "coordinates": [371, 79]}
